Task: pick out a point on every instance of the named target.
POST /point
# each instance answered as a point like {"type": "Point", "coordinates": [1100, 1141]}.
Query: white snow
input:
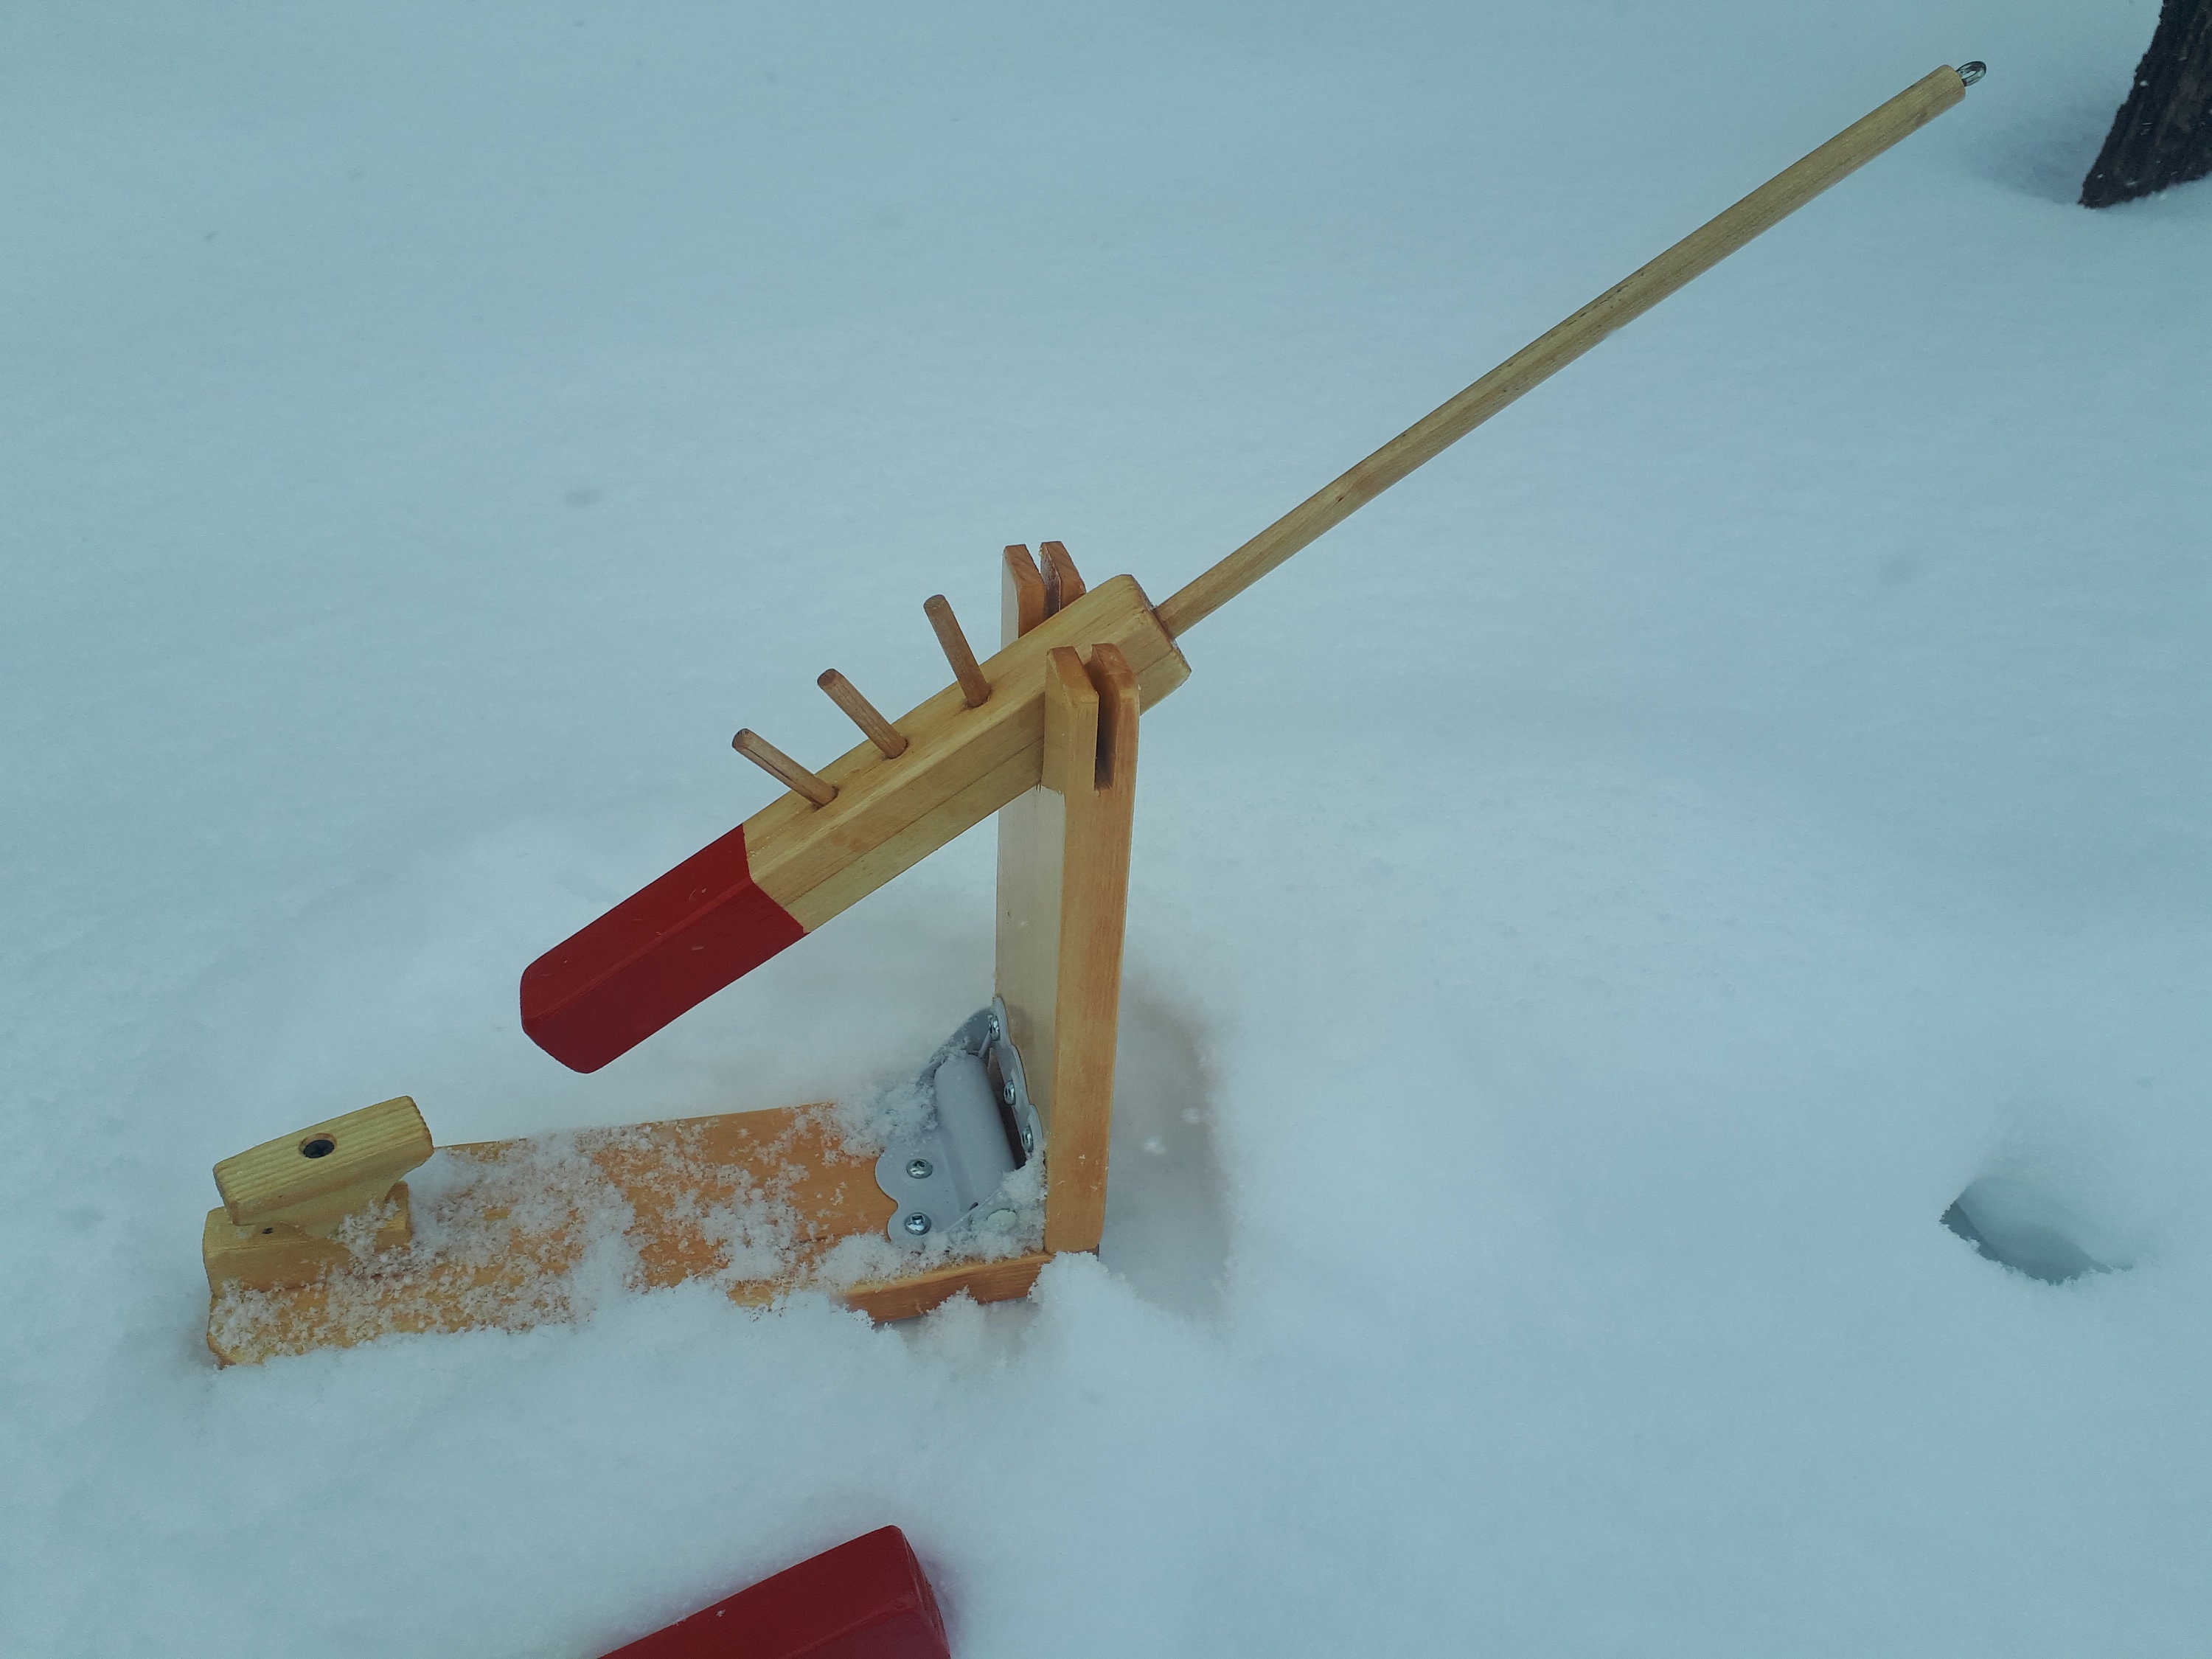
{"type": "Point", "coordinates": [1593, 913]}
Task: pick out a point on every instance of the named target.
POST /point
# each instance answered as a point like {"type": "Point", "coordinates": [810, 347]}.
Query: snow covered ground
{"type": "Point", "coordinates": [1593, 912]}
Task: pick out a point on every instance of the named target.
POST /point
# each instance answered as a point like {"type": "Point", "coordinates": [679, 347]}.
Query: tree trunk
{"type": "Point", "coordinates": [2163, 134]}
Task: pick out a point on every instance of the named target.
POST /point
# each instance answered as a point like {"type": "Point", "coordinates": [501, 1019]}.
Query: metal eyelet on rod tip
{"type": "Point", "coordinates": [1970, 72]}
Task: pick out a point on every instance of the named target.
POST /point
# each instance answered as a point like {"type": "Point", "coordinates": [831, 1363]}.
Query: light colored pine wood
{"type": "Point", "coordinates": [1692, 256]}
{"type": "Point", "coordinates": [1030, 834]}
{"type": "Point", "coordinates": [873, 727]}
{"type": "Point", "coordinates": [974, 688]}
{"type": "Point", "coordinates": [984, 1281]}
{"type": "Point", "coordinates": [817, 791]}
{"type": "Point", "coordinates": [1021, 594]}
{"type": "Point", "coordinates": [516, 1217]}
{"type": "Point", "coordinates": [1091, 762]}
{"type": "Point", "coordinates": [1032, 841]}
{"type": "Point", "coordinates": [315, 1177]}
{"type": "Point", "coordinates": [267, 1254]}
{"type": "Point", "coordinates": [962, 764]}
{"type": "Point", "coordinates": [1063, 585]}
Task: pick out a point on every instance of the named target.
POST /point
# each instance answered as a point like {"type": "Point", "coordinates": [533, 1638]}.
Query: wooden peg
{"type": "Point", "coordinates": [973, 687]}
{"type": "Point", "coordinates": [1022, 595]}
{"type": "Point", "coordinates": [784, 769]}
{"type": "Point", "coordinates": [1063, 585]}
{"type": "Point", "coordinates": [879, 731]}
{"type": "Point", "coordinates": [287, 1203]}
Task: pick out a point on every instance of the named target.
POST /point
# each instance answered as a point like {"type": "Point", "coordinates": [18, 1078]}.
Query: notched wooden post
{"type": "Point", "coordinates": [1063, 890]}
{"type": "Point", "coordinates": [1091, 763]}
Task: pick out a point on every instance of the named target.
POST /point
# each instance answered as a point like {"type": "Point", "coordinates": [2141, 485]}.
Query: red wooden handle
{"type": "Point", "coordinates": [662, 951]}
{"type": "Point", "coordinates": [864, 1600]}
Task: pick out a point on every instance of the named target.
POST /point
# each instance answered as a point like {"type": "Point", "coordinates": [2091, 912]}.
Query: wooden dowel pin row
{"type": "Point", "coordinates": [1062, 585]}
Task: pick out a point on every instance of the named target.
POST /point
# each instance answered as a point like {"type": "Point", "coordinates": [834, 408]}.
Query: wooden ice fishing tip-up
{"type": "Point", "coordinates": [312, 1245]}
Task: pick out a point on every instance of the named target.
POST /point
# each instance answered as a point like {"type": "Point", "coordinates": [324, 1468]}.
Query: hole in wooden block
{"type": "Point", "coordinates": [319, 1146]}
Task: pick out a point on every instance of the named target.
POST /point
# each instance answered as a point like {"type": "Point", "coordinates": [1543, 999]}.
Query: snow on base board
{"type": "Point", "coordinates": [510, 1235]}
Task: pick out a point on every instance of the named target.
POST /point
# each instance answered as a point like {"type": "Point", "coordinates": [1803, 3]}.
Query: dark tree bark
{"type": "Point", "coordinates": [2163, 134]}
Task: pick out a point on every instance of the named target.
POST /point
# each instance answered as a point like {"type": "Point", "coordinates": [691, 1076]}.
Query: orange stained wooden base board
{"type": "Point", "coordinates": [510, 1234]}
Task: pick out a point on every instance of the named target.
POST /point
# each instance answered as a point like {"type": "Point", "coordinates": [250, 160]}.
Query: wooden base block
{"type": "Point", "coordinates": [511, 1234]}
{"type": "Point", "coordinates": [279, 1252]}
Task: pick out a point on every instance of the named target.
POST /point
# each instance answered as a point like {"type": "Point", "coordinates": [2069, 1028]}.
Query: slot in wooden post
{"type": "Point", "coordinates": [784, 769]}
{"type": "Point", "coordinates": [975, 690]}
{"type": "Point", "coordinates": [878, 730]}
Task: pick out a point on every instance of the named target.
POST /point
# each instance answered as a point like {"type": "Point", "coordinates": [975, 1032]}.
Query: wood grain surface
{"type": "Point", "coordinates": [518, 1233]}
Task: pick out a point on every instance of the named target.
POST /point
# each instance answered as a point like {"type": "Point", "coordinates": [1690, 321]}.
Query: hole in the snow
{"type": "Point", "coordinates": [2020, 1227]}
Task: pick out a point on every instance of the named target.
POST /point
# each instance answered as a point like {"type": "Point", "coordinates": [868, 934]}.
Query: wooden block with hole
{"type": "Point", "coordinates": [327, 1194]}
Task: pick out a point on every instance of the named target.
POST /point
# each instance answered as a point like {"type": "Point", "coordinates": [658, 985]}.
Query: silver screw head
{"type": "Point", "coordinates": [920, 1169]}
{"type": "Point", "coordinates": [1006, 1094]}
{"type": "Point", "coordinates": [917, 1224]}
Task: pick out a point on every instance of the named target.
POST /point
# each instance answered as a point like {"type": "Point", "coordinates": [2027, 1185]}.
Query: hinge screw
{"type": "Point", "coordinates": [917, 1224]}
{"type": "Point", "coordinates": [1006, 1094]}
{"type": "Point", "coordinates": [920, 1168]}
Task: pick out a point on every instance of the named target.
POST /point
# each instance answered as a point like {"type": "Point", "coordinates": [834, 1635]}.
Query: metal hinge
{"type": "Point", "coordinates": [980, 1128]}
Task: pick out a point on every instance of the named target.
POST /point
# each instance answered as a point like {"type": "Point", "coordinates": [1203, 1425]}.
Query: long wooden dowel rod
{"type": "Point", "coordinates": [1695, 254]}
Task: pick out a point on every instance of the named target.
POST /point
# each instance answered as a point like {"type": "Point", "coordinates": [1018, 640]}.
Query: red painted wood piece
{"type": "Point", "coordinates": [662, 951]}
{"type": "Point", "coordinates": [864, 1600]}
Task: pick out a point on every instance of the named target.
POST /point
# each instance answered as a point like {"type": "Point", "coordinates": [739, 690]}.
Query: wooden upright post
{"type": "Point", "coordinates": [1063, 892]}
